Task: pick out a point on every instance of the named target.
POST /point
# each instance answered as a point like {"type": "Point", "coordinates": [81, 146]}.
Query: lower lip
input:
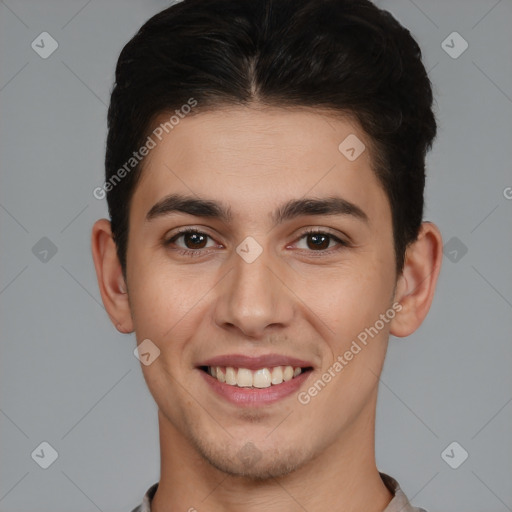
{"type": "Point", "coordinates": [253, 397]}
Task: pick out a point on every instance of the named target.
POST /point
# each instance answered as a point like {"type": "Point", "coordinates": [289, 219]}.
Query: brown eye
{"type": "Point", "coordinates": [319, 241]}
{"type": "Point", "coordinates": [192, 240]}
{"type": "Point", "coordinates": [196, 240]}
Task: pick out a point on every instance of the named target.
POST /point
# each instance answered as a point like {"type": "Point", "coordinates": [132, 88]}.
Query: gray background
{"type": "Point", "coordinates": [69, 378]}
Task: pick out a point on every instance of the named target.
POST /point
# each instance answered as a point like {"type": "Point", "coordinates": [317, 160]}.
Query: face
{"type": "Point", "coordinates": [259, 284]}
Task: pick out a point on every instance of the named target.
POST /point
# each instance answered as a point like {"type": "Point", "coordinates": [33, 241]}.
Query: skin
{"type": "Point", "coordinates": [291, 300]}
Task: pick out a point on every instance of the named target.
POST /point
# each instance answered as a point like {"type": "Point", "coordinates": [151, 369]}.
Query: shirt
{"type": "Point", "coordinates": [399, 503]}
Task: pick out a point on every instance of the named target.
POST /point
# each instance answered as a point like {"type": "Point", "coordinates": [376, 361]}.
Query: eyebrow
{"type": "Point", "coordinates": [332, 205]}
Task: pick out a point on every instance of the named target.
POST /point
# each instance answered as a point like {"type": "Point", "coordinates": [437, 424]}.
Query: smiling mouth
{"type": "Point", "coordinates": [261, 378]}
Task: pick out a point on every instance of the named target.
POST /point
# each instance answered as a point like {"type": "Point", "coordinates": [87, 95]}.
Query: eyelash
{"type": "Point", "coordinates": [197, 252]}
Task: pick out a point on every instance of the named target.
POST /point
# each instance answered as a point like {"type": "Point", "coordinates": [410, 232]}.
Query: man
{"type": "Point", "coordinates": [265, 177]}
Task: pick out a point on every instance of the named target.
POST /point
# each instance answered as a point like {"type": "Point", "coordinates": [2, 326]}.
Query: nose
{"type": "Point", "coordinates": [254, 298]}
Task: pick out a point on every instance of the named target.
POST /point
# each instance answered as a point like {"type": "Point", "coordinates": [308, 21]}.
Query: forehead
{"type": "Point", "coordinates": [253, 159]}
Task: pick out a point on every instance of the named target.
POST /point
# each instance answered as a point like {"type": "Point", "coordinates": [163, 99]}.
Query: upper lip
{"type": "Point", "coordinates": [255, 363]}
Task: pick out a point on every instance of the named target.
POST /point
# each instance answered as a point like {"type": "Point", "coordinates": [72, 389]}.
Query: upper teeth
{"type": "Point", "coordinates": [262, 378]}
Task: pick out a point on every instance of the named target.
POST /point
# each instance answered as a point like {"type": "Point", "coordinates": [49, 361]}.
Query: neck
{"type": "Point", "coordinates": [342, 478]}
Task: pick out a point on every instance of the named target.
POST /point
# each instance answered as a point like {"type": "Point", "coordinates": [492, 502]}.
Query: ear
{"type": "Point", "coordinates": [111, 282]}
{"type": "Point", "coordinates": [417, 282]}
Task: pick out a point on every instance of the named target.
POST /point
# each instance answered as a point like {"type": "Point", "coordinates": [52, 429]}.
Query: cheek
{"type": "Point", "coordinates": [166, 304]}
{"type": "Point", "coordinates": [348, 297]}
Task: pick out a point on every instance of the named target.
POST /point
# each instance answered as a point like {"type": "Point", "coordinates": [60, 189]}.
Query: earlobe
{"type": "Point", "coordinates": [416, 285]}
{"type": "Point", "coordinates": [110, 278]}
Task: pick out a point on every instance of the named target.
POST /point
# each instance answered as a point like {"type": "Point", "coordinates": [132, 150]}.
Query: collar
{"type": "Point", "coordinates": [399, 503]}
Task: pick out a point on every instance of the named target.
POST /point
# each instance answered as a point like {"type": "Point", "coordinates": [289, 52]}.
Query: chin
{"type": "Point", "coordinates": [250, 462]}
